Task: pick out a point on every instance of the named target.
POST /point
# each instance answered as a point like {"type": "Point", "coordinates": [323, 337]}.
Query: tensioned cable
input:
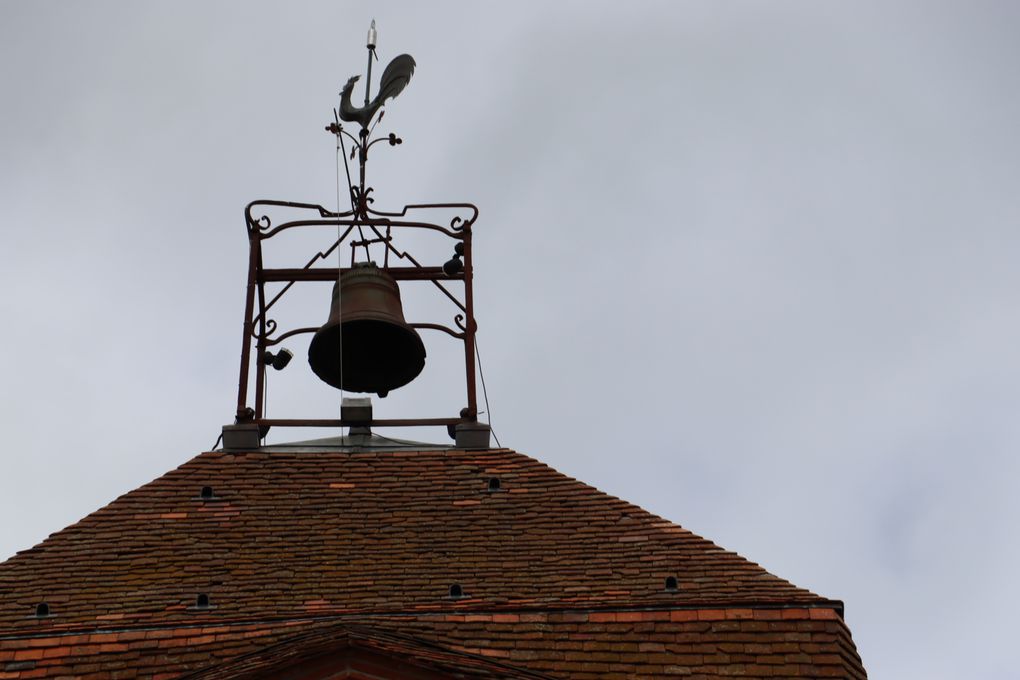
{"type": "Point", "coordinates": [265, 396]}
{"type": "Point", "coordinates": [339, 266]}
{"type": "Point", "coordinates": [341, 150]}
{"type": "Point", "coordinates": [485, 393]}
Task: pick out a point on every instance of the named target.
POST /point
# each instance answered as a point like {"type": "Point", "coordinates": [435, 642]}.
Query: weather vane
{"type": "Point", "coordinates": [395, 78]}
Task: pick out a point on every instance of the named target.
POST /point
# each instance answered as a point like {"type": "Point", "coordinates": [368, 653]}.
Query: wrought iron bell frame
{"type": "Point", "coordinates": [376, 227]}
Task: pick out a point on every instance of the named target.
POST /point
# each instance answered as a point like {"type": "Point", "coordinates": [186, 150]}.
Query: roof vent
{"type": "Point", "coordinates": [456, 592]}
{"type": "Point", "coordinates": [202, 601]}
{"type": "Point", "coordinates": [207, 493]}
{"type": "Point", "coordinates": [494, 484]}
{"type": "Point", "coordinates": [42, 611]}
{"type": "Point", "coordinates": [671, 584]}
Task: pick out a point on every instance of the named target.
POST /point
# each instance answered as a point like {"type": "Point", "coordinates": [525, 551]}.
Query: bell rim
{"type": "Point", "coordinates": [417, 353]}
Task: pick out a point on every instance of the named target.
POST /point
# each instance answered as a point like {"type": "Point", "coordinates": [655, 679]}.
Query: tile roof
{"type": "Point", "coordinates": [756, 643]}
{"type": "Point", "coordinates": [313, 537]}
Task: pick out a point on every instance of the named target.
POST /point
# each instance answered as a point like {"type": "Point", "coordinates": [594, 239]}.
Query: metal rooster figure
{"type": "Point", "coordinates": [395, 78]}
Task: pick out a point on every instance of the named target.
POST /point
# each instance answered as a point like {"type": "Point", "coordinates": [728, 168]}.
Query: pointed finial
{"type": "Point", "coordinates": [372, 36]}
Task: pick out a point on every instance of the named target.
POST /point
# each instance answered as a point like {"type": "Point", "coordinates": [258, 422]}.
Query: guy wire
{"type": "Point", "coordinates": [265, 398]}
{"type": "Point", "coordinates": [485, 392]}
{"type": "Point", "coordinates": [339, 266]}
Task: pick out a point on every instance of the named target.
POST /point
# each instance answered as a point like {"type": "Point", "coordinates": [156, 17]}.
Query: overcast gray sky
{"type": "Point", "coordinates": [752, 266]}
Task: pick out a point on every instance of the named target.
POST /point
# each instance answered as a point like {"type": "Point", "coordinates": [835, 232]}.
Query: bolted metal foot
{"type": "Point", "coordinates": [472, 435]}
{"type": "Point", "coordinates": [356, 410]}
{"type": "Point", "coordinates": [243, 437]}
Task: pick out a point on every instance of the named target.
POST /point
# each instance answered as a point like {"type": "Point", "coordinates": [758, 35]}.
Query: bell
{"type": "Point", "coordinates": [366, 326]}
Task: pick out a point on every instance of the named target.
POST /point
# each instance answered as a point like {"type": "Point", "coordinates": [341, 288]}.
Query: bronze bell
{"type": "Point", "coordinates": [380, 351]}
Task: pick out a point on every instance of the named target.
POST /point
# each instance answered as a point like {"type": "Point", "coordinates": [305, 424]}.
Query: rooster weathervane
{"type": "Point", "coordinates": [395, 78]}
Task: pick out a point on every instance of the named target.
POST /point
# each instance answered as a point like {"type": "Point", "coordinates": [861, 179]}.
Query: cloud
{"type": "Point", "coordinates": [751, 267]}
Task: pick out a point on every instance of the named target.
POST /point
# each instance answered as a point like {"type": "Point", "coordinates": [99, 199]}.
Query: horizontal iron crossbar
{"type": "Point", "coordinates": [383, 422]}
{"type": "Point", "coordinates": [330, 274]}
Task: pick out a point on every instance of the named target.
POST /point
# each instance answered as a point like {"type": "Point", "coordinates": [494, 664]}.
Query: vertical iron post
{"type": "Point", "coordinates": [260, 346]}
{"type": "Point", "coordinates": [249, 308]}
{"type": "Point", "coordinates": [469, 335]}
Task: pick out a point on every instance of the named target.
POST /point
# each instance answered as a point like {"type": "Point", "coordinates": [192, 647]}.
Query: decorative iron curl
{"type": "Point", "coordinates": [438, 327]}
{"type": "Point", "coordinates": [297, 331]}
{"type": "Point", "coordinates": [459, 320]}
{"type": "Point", "coordinates": [391, 138]}
{"type": "Point", "coordinates": [270, 327]}
{"type": "Point", "coordinates": [356, 194]}
{"type": "Point", "coordinates": [264, 223]}
{"type": "Point", "coordinates": [459, 224]}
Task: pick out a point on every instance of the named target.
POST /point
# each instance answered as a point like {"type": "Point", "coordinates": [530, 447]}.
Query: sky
{"type": "Point", "coordinates": [752, 266]}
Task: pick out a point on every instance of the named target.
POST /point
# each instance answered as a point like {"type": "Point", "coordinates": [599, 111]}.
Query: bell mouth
{"type": "Point", "coordinates": [378, 356]}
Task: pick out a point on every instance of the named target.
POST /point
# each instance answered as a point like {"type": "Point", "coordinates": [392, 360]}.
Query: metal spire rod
{"type": "Point", "coordinates": [363, 147]}
{"type": "Point", "coordinates": [372, 37]}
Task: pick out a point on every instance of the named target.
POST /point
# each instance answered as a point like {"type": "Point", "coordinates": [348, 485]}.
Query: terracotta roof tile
{"type": "Point", "coordinates": [559, 578]}
{"type": "Point", "coordinates": [560, 645]}
{"type": "Point", "coordinates": [401, 530]}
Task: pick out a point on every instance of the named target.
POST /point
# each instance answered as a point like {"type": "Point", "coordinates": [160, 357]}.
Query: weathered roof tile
{"type": "Point", "coordinates": [559, 577]}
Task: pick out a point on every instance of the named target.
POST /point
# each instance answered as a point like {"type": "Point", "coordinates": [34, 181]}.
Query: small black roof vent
{"type": "Point", "coordinates": [494, 484]}
{"type": "Point", "coordinates": [457, 592]}
{"type": "Point", "coordinates": [42, 611]}
{"type": "Point", "coordinates": [207, 494]}
{"type": "Point", "coordinates": [671, 584]}
{"type": "Point", "coordinates": [202, 603]}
